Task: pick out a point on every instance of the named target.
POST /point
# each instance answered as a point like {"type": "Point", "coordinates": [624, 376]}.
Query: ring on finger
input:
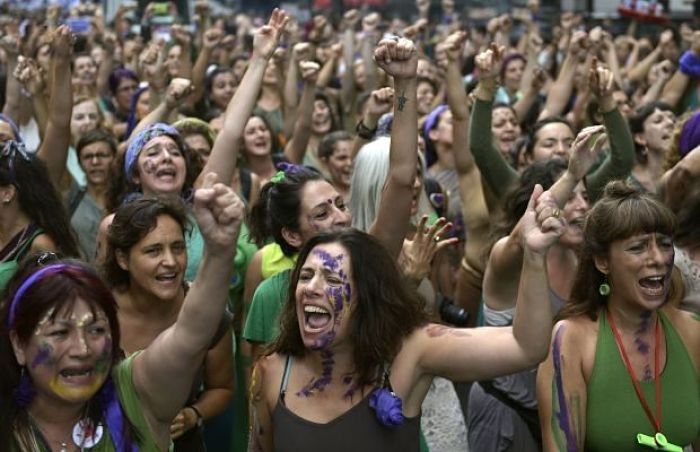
{"type": "Point", "coordinates": [436, 238]}
{"type": "Point", "coordinates": [556, 212]}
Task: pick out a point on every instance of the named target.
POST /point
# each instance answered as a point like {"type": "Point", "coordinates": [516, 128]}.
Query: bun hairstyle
{"type": "Point", "coordinates": [279, 206]}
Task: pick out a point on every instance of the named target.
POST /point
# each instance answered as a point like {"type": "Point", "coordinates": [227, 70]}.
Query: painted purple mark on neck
{"type": "Point", "coordinates": [563, 413]}
{"type": "Point", "coordinates": [319, 384]}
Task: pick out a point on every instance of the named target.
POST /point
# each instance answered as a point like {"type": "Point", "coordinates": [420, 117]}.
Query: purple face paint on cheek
{"type": "Point", "coordinates": [43, 356]}
{"type": "Point", "coordinates": [104, 361]}
{"type": "Point", "coordinates": [149, 166]}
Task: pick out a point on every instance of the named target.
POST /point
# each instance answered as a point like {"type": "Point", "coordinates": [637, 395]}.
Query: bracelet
{"type": "Point", "coordinates": [689, 64]}
{"type": "Point", "coordinates": [365, 132]}
{"type": "Point", "coordinates": [200, 418]}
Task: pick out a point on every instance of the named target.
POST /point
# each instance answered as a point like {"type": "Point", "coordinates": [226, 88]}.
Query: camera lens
{"type": "Point", "coordinates": [453, 314]}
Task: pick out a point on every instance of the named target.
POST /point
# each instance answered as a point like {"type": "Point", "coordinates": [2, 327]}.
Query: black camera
{"type": "Point", "coordinates": [451, 313]}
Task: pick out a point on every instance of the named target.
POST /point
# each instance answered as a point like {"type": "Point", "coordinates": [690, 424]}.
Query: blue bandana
{"type": "Point", "coordinates": [140, 140]}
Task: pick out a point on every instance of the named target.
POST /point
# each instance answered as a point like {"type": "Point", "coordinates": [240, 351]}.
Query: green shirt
{"type": "Point", "coordinates": [262, 323]}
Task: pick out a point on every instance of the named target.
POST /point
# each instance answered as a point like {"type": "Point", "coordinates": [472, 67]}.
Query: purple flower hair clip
{"type": "Point", "coordinates": [289, 168]}
{"type": "Point", "coordinates": [387, 406]}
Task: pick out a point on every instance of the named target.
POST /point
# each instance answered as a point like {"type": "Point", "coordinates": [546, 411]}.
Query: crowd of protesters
{"type": "Point", "coordinates": [418, 231]}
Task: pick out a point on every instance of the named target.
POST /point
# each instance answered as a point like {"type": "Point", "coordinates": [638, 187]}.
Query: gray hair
{"type": "Point", "coordinates": [370, 172]}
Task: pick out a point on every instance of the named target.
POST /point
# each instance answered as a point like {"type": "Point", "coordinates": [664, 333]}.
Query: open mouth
{"type": "Point", "coordinates": [166, 173]}
{"type": "Point", "coordinates": [77, 375]}
{"type": "Point", "coordinates": [653, 285]}
{"type": "Point", "coordinates": [166, 277]}
{"type": "Point", "coordinates": [577, 222]}
{"type": "Point", "coordinates": [316, 318]}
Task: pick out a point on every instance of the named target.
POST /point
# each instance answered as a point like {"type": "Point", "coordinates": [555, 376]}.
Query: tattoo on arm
{"type": "Point", "coordinates": [402, 101]}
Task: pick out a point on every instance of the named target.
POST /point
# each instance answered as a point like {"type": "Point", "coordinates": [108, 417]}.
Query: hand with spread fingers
{"type": "Point", "coordinates": [417, 254]}
{"type": "Point", "coordinates": [585, 150]}
{"type": "Point", "coordinates": [267, 37]}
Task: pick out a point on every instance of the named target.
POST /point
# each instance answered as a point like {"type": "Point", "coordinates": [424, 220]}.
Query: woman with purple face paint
{"type": "Point", "coordinates": [158, 163]}
{"type": "Point", "coordinates": [356, 355]}
{"type": "Point", "coordinates": [64, 384]}
{"type": "Point", "coordinates": [623, 369]}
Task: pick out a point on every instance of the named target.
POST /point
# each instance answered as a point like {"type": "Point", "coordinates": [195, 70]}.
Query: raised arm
{"type": "Point", "coordinates": [296, 147]}
{"type": "Point", "coordinates": [180, 350]}
{"type": "Point", "coordinates": [10, 44]}
{"type": "Point", "coordinates": [620, 159]}
{"type": "Point", "coordinates": [54, 146]}
{"type": "Point", "coordinates": [639, 71]}
{"type": "Point", "coordinates": [224, 154]}
{"type": "Point", "coordinates": [175, 94]}
{"type": "Point", "coordinates": [474, 209]}
{"type": "Point", "coordinates": [674, 89]}
{"type": "Point", "coordinates": [210, 39]}
{"type": "Point", "coordinates": [481, 353]}
{"type": "Point", "coordinates": [347, 81]}
{"type": "Point", "coordinates": [31, 76]}
{"type": "Point", "coordinates": [560, 92]}
{"type": "Point", "coordinates": [398, 59]}
{"type": "Point", "coordinates": [495, 170]}
{"type": "Point", "coordinates": [379, 102]}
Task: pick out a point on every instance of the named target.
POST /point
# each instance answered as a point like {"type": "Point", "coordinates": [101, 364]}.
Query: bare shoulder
{"type": "Point", "coordinates": [687, 325]}
{"type": "Point", "coordinates": [106, 221]}
{"type": "Point", "coordinates": [42, 242]}
{"type": "Point", "coordinates": [577, 336]}
{"type": "Point", "coordinates": [266, 378]}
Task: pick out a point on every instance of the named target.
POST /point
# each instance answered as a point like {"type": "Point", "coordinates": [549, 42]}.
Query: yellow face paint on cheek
{"type": "Point", "coordinates": [80, 392]}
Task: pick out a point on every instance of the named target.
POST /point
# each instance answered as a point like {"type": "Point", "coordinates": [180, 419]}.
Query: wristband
{"type": "Point", "coordinates": [365, 132]}
{"type": "Point", "coordinates": [200, 419]}
{"type": "Point", "coordinates": [690, 64]}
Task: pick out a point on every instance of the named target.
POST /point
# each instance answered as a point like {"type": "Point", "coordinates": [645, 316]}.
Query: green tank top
{"type": "Point", "coordinates": [128, 398]}
{"type": "Point", "coordinates": [614, 414]}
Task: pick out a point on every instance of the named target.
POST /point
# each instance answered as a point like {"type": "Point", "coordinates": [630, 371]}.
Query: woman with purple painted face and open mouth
{"type": "Point", "coordinates": [356, 355]}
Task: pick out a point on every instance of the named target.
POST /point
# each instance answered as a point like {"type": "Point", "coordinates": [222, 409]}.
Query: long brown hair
{"type": "Point", "coordinates": [622, 212]}
{"type": "Point", "coordinates": [384, 314]}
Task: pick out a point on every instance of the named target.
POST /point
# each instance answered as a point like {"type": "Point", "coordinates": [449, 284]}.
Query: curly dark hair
{"type": "Point", "coordinates": [132, 221]}
{"type": "Point", "coordinates": [384, 314]}
{"type": "Point", "coordinates": [622, 212]}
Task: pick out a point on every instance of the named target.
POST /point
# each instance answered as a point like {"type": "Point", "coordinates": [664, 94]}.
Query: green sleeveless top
{"type": "Point", "coordinates": [614, 414]}
{"type": "Point", "coordinates": [8, 267]}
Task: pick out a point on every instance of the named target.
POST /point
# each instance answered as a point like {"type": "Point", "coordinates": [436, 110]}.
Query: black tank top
{"type": "Point", "coordinates": [358, 429]}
